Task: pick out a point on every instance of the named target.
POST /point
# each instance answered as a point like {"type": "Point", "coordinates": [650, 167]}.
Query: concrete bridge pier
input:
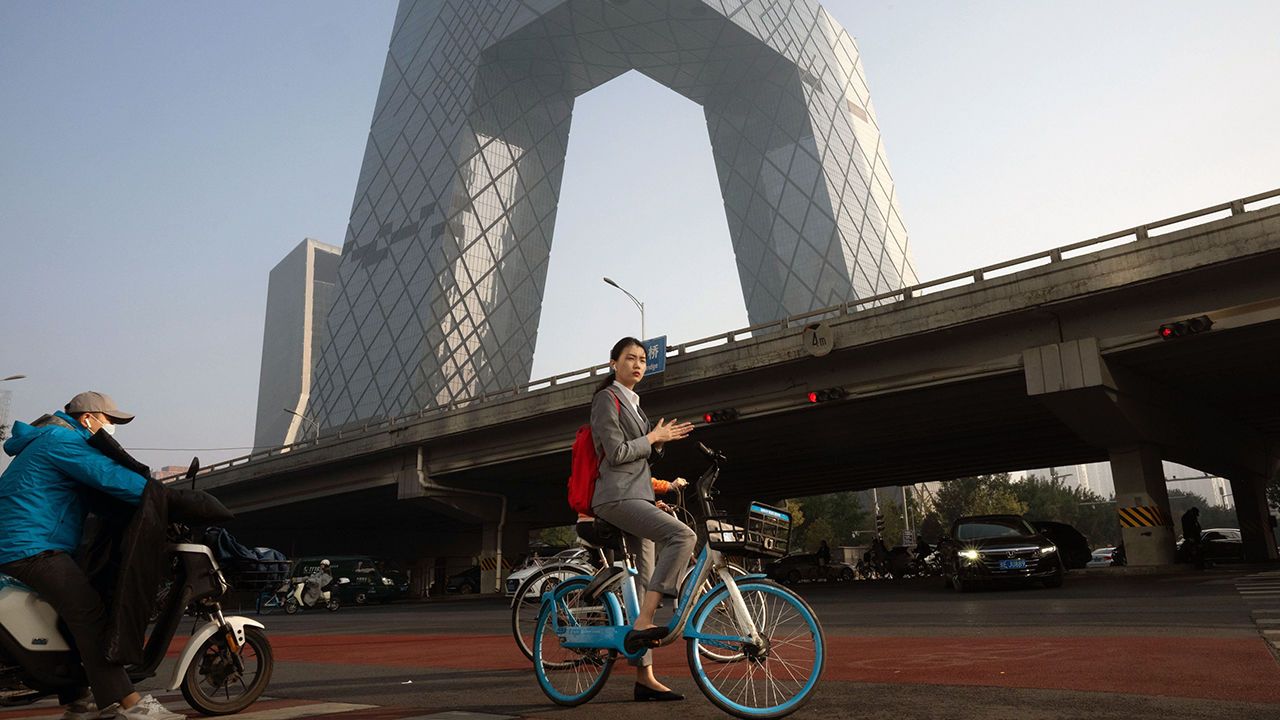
{"type": "Point", "coordinates": [1254, 516]}
{"type": "Point", "coordinates": [501, 541]}
{"type": "Point", "coordinates": [1140, 483]}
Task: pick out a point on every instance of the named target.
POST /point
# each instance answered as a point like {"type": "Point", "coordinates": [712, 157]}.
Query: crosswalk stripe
{"type": "Point", "coordinates": [48, 710]}
{"type": "Point", "coordinates": [1261, 593]}
{"type": "Point", "coordinates": [298, 711]}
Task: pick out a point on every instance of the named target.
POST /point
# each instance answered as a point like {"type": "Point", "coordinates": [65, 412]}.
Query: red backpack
{"type": "Point", "coordinates": [585, 467]}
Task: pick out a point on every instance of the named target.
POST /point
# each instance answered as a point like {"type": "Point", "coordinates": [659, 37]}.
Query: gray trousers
{"type": "Point", "coordinates": [643, 524]}
{"type": "Point", "coordinates": [61, 583]}
{"type": "Point", "coordinates": [641, 519]}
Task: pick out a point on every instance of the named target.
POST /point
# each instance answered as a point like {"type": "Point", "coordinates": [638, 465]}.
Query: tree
{"type": "Point", "coordinates": [1053, 499]}
{"type": "Point", "coordinates": [832, 517]}
{"type": "Point", "coordinates": [1210, 515]}
{"type": "Point", "coordinates": [559, 537]}
{"type": "Point", "coordinates": [981, 495]}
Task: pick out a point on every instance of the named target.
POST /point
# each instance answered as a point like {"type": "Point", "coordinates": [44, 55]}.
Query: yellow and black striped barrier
{"type": "Point", "coordinates": [1141, 516]}
{"type": "Point", "coordinates": [490, 562]}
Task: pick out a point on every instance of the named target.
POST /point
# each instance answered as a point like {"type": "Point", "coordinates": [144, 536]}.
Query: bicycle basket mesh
{"type": "Point", "coordinates": [763, 531]}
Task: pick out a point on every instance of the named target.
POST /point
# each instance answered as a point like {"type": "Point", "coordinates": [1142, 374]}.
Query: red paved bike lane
{"type": "Point", "coordinates": [1209, 668]}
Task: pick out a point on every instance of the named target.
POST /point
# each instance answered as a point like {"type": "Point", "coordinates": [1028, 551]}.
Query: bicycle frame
{"type": "Point", "coordinates": [709, 559]}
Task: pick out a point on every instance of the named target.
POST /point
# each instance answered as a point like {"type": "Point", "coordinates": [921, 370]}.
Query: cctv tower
{"type": "Point", "coordinates": [440, 286]}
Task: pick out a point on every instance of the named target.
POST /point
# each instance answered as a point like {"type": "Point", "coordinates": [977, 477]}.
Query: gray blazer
{"type": "Point", "coordinates": [623, 450]}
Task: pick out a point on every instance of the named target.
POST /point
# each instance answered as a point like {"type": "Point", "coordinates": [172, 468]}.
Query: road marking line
{"type": "Point", "coordinates": [299, 711]}
{"type": "Point", "coordinates": [462, 715]}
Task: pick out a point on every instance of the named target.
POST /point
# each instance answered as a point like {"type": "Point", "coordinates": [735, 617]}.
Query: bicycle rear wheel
{"type": "Point", "coordinates": [769, 681]}
{"type": "Point", "coordinates": [572, 676]}
{"type": "Point", "coordinates": [528, 600]}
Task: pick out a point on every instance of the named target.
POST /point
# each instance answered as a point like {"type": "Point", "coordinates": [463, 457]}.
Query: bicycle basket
{"type": "Point", "coordinates": [764, 531]}
{"type": "Point", "coordinates": [245, 574]}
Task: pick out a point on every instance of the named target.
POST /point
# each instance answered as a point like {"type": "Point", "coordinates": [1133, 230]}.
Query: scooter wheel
{"type": "Point", "coordinates": [214, 685]}
{"type": "Point", "coordinates": [333, 605]}
{"type": "Point", "coordinates": [291, 606]}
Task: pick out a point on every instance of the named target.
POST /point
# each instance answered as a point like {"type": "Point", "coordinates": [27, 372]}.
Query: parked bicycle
{"type": "Point", "coordinates": [767, 647]}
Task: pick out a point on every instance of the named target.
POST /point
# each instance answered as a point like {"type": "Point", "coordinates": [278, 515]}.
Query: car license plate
{"type": "Point", "coordinates": [1013, 564]}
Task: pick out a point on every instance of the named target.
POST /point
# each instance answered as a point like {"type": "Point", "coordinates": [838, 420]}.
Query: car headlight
{"type": "Point", "coordinates": [969, 554]}
{"type": "Point", "coordinates": [1048, 550]}
{"type": "Point", "coordinates": [387, 581]}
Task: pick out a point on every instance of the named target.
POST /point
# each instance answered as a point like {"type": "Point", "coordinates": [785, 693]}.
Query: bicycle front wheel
{"type": "Point", "coordinates": [717, 654]}
{"type": "Point", "coordinates": [771, 680]}
{"type": "Point", "coordinates": [572, 676]}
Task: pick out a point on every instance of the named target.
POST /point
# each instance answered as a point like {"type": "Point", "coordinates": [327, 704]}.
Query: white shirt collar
{"type": "Point", "coordinates": [630, 395]}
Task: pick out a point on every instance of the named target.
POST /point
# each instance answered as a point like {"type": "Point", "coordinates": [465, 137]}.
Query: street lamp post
{"type": "Point", "coordinates": [315, 426]}
{"type": "Point", "coordinates": [634, 300]}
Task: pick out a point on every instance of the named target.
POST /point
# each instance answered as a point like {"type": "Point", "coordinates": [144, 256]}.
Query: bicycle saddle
{"type": "Point", "coordinates": [600, 535]}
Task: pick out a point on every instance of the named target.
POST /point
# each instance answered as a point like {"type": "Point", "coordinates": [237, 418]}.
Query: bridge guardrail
{"type": "Point", "coordinates": [1054, 255]}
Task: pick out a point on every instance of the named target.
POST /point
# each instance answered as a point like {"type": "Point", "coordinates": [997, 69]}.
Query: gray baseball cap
{"type": "Point", "coordinates": [90, 401]}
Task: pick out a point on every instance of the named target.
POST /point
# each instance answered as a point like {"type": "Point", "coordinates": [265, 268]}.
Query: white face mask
{"type": "Point", "coordinates": [110, 428]}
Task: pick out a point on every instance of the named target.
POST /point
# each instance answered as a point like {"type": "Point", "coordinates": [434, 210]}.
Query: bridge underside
{"type": "Point", "coordinates": [1052, 366]}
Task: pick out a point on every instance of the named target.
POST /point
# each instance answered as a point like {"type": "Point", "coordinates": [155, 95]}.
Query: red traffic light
{"type": "Point", "coordinates": [835, 393]}
{"type": "Point", "coordinates": [716, 416]}
{"type": "Point", "coordinates": [1191, 326]}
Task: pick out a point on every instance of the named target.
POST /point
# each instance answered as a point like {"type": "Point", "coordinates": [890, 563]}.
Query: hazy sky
{"type": "Point", "coordinates": [158, 158]}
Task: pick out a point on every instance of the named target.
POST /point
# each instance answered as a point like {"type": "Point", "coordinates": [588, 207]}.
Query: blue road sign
{"type": "Point", "coordinates": [655, 353]}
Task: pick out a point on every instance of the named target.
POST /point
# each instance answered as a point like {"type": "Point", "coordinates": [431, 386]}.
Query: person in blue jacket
{"type": "Point", "coordinates": [43, 504]}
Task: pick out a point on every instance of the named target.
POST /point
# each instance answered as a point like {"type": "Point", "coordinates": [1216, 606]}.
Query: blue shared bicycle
{"type": "Point", "coordinates": [754, 647]}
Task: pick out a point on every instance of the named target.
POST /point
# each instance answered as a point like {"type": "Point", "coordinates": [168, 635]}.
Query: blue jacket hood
{"type": "Point", "coordinates": [24, 433]}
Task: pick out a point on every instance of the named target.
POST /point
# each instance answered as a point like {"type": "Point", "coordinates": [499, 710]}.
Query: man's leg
{"type": "Point", "coordinates": [61, 583]}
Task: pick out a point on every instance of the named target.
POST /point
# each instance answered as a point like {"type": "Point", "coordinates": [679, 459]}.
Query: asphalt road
{"type": "Point", "coordinates": [1181, 645]}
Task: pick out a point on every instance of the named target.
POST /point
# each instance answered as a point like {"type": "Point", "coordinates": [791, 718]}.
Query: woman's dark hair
{"type": "Point", "coordinates": [614, 354]}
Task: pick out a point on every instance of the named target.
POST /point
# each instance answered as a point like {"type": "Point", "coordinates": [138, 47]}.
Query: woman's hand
{"type": "Point", "coordinates": [667, 431]}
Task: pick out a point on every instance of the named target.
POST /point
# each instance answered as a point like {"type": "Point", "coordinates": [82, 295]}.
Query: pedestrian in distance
{"type": "Point", "coordinates": [44, 496]}
{"type": "Point", "coordinates": [824, 554]}
{"type": "Point", "coordinates": [1191, 532]}
{"type": "Point", "coordinates": [624, 498]}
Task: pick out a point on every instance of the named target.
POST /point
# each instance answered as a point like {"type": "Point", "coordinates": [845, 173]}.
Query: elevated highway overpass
{"type": "Point", "coordinates": [1050, 359]}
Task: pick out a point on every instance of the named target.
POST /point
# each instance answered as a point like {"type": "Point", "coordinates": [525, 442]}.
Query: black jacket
{"type": "Point", "coordinates": [126, 556]}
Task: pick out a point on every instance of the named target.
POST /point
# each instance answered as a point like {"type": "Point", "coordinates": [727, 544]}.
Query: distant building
{"type": "Point", "coordinates": [4, 414]}
{"type": "Point", "coordinates": [299, 294]}
{"type": "Point", "coordinates": [445, 261]}
{"type": "Point", "coordinates": [168, 472]}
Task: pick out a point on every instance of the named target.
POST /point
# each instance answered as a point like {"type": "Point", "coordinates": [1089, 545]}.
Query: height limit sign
{"type": "Point", "coordinates": [817, 339]}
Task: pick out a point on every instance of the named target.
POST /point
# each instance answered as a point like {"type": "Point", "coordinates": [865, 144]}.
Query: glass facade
{"type": "Point", "coordinates": [440, 286]}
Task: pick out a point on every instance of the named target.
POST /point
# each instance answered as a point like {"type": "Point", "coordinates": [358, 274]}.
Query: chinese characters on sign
{"type": "Point", "coordinates": [655, 352]}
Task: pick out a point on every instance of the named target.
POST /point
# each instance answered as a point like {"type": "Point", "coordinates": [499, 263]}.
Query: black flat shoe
{"type": "Point", "coordinates": [645, 693]}
{"type": "Point", "coordinates": [637, 640]}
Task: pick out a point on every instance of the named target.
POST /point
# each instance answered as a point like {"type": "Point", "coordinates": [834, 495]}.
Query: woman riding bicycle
{"type": "Point", "coordinates": [624, 498]}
